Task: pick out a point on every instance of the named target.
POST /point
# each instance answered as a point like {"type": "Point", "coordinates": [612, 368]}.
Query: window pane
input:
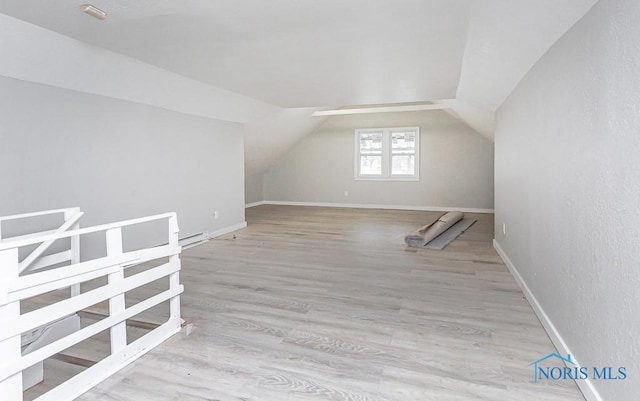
{"type": "Point", "coordinates": [370, 165]}
{"type": "Point", "coordinates": [403, 165]}
{"type": "Point", "coordinates": [371, 143]}
{"type": "Point", "coordinates": [403, 142]}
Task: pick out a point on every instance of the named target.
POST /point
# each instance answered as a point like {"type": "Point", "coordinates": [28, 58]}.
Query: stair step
{"type": "Point", "coordinates": [98, 347]}
{"type": "Point", "coordinates": [74, 360]}
{"type": "Point", "coordinates": [56, 372]}
{"type": "Point", "coordinates": [99, 315]}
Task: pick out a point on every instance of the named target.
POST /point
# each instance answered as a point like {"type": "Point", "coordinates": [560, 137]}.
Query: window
{"type": "Point", "coordinates": [387, 153]}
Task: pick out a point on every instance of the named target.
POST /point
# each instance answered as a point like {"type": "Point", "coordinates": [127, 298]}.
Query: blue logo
{"type": "Point", "coordinates": [571, 370]}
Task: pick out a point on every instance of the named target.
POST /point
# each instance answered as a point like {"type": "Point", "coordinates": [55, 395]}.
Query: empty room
{"type": "Point", "coordinates": [298, 200]}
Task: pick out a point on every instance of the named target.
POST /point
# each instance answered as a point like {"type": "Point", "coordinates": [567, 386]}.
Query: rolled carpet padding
{"type": "Point", "coordinates": [442, 240]}
{"type": "Point", "coordinates": [428, 232]}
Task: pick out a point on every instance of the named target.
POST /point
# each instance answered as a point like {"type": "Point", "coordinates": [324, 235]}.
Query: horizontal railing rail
{"type": "Point", "coordinates": [37, 214]}
{"type": "Point", "coordinates": [83, 231]}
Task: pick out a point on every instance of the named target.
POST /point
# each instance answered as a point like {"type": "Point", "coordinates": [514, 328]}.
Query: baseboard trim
{"type": "Point", "coordinates": [253, 204]}
{"type": "Point", "coordinates": [202, 238]}
{"type": "Point", "coordinates": [585, 386]}
{"type": "Point", "coordinates": [376, 206]}
{"type": "Point", "coordinates": [192, 240]}
{"type": "Point", "coordinates": [226, 230]}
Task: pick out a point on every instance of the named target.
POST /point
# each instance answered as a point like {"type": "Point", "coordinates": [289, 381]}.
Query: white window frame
{"type": "Point", "coordinates": [386, 155]}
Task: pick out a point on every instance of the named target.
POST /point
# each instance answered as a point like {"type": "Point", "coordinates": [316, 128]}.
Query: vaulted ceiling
{"type": "Point", "coordinates": [330, 53]}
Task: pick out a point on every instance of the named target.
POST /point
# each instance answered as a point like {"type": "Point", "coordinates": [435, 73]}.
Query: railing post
{"type": "Point", "coordinates": [75, 246]}
{"type": "Point", "coordinates": [116, 304]}
{"type": "Point", "coordinates": [174, 278]}
{"type": "Point", "coordinates": [11, 387]}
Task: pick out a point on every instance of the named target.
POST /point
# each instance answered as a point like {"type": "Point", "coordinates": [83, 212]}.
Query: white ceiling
{"type": "Point", "coordinates": [290, 53]}
{"type": "Point", "coordinates": [308, 53]}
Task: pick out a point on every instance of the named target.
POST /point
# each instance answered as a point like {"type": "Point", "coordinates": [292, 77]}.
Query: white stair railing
{"type": "Point", "coordinates": [15, 288]}
{"type": "Point", "coordinates": [35, 260]}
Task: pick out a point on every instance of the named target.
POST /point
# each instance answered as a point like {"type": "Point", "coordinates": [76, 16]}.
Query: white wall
{"type": "Point", "coordinates": [116, 159]}
{"type": "Point", "coordinates": [254, 188]}
{"type": "Point", "coordinates": [568, 189]}
{"type": "Point", "coordinates": [270, 137]}
{"type": "Point", "coordinates": [456, 165]}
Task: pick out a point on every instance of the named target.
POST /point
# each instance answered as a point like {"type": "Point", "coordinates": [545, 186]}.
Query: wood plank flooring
{"type": "Point", "coordinates": [329, 304]}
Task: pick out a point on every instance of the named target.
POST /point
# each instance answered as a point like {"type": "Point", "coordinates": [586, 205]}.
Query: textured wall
{"type": "Point", "coordinates": [116, 159]}
{"type": "Point", "coordinates": [568, 188]}
{"type": "Point", "coordinates": [456, 165]}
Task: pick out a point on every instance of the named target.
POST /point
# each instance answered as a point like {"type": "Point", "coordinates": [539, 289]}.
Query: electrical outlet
{"type": "Point", "coordinates": [215, 215]}
{"type": "Point", "coordinates": [346, 193]}
{"type": "Point", "coordinates": [504, 229]}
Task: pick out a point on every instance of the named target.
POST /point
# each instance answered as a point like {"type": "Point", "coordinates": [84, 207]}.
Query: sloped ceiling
{"type": "Point", "coordinates": [505, 39]}
{"type": "Point", "coordinates": [290, 53]}
{"type": "Point", "coordinates": [306, 54]}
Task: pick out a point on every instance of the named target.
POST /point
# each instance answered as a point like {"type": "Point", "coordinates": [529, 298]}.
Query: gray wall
{"type": "Point", "coordinates": [116, 159]}
{"type": "Point", "coordinates": [568, 188]}
{"type": "Point", "coordinates": [253, 188]}
{"type": "Point", "coordinates": [456, 165]}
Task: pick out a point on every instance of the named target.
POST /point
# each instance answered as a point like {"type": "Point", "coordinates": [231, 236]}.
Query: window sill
{"type": "Point", "coordinates": [405, 179]}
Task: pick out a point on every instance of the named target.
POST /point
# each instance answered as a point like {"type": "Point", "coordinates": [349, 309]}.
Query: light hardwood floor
{"type": "Point", "coordinates": [329, 304]}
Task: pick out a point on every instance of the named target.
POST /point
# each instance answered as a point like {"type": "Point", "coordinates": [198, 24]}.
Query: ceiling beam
{"type": "Point", "coordinates": [384, 109]}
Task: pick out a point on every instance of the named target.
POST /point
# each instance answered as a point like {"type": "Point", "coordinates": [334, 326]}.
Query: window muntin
{"type": "Point", "coordinates": [387, 153]}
